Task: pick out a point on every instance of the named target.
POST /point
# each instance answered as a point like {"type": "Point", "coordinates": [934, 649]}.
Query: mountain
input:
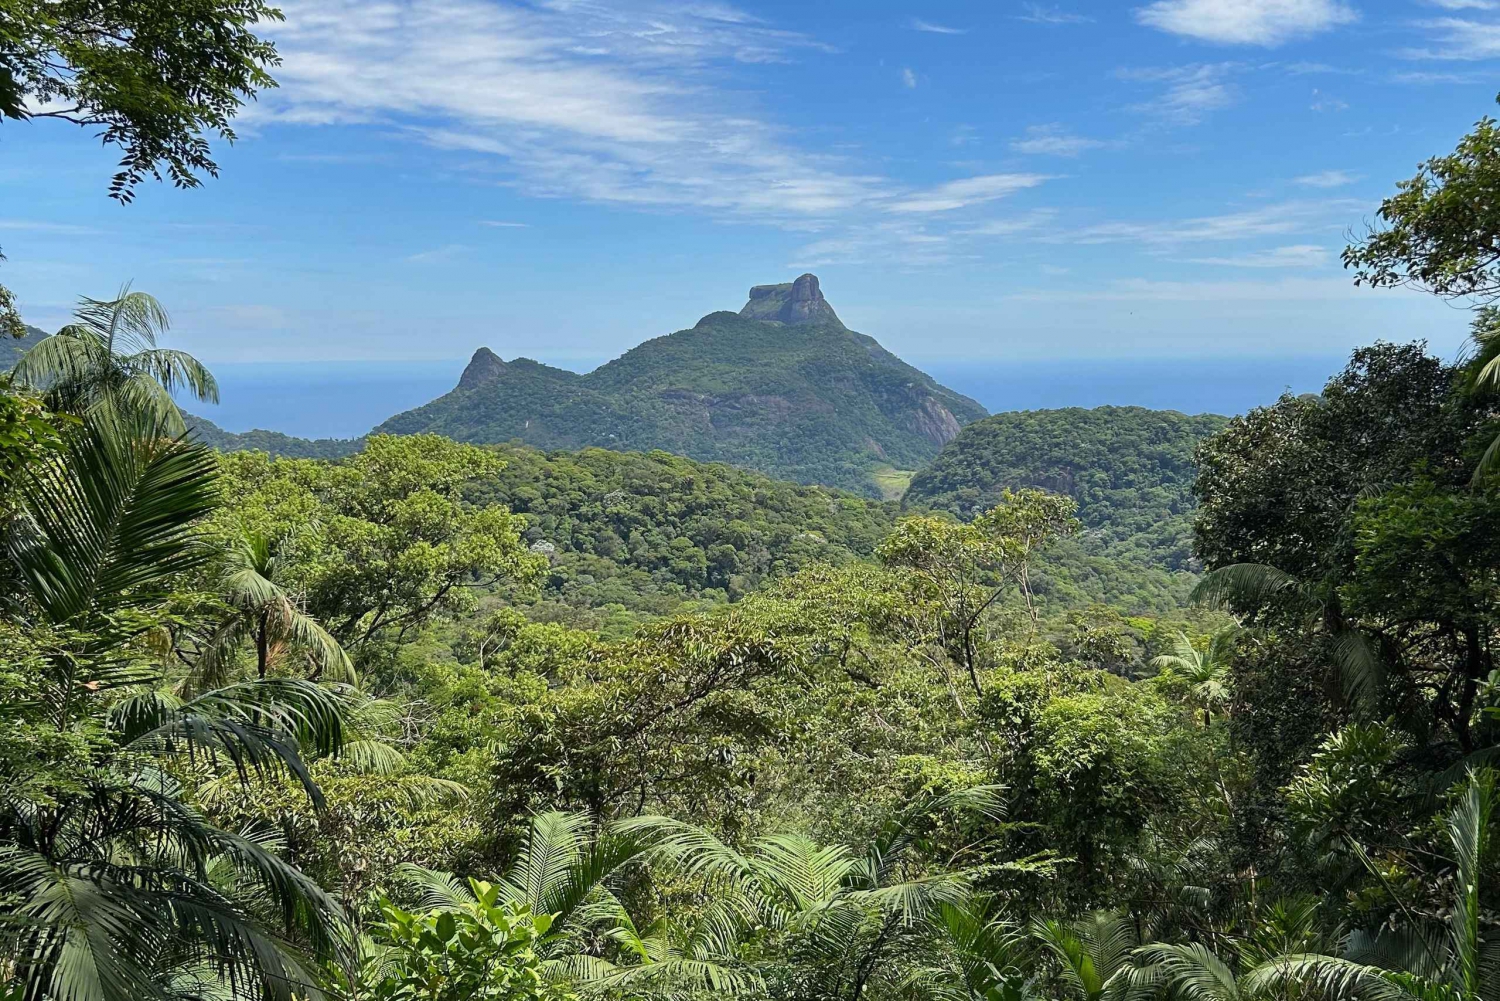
{"type": "Point", "coordinates": [782, 387]}
{"type": "Point", "coordinates": [1130, 469]}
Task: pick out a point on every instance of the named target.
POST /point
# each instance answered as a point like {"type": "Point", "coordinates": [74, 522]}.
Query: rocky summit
{"type": "Point", "coordinates": [782, 387]}
{"type": "Point", "coordinates": [798, 303]}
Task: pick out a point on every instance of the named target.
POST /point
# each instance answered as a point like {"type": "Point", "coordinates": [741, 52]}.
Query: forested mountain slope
{"type": "Point", "coordinates": [11, 349]}
{"type": "Point", "coordinates": [274, 442]}
{"type": "Point", "coordinates": [649, 531]}
{"type": "Point", "coordinates": [1130, 469]}
{"type": "Point", "coordinates": [783, 387]}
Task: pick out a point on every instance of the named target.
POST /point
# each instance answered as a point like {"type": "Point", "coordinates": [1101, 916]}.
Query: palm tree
{"type": "Point", "coordinates": [116, 887]}
{"type": "Point", "coordinates": [566, 868]}
{"type": "Point", "coordinates": [265, 612]}
{"type": "Point", "coordinates": [1426, 961]}
{"type": "Point", "coordinates": [978, 956]}
{"type": "Point", "coordinates": [109, 357]}
{"type": "Point", "coordinates": [1207, 670]}
{"type": "Point", "coordinates": [844, 914]}
{"type": "Point", "coordinates": [1482, 374]}
{"type": "Point", "coordinates": [1094, 955]}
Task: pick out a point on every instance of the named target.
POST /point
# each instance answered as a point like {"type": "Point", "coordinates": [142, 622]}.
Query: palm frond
{"type": "Point", "coordinates": [111, 519]}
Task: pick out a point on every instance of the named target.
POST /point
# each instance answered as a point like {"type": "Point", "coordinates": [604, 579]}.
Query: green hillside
{"type": "Point", "coordinates": [783, 388]}
{"type": "Point", "coordinates": [11, 349]}
{"type": "Point", "coordinates": [274, 442]}
{"type": "Point", "coordinates": [646, 532]}
{"type": "Point", "coordinates": [1130, 469]}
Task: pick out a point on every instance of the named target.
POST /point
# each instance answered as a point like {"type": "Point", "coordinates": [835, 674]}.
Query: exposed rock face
{"type": "Point", "coordinates": [793, 303]}
{"type": "Point", "coordinates": [483, 367]}
{"type": "Point", "coordinates": [935, 422]}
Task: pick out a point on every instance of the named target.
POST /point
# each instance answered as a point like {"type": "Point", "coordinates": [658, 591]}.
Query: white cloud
{"type": "Point", "coordinates": [1422, 78]}
{"type": "Point", "coordinates": [1038, 14]}
{"type": "Point", "coordinates": [1302, 255]}
{"type": "Point", "coordinates": [1246, 22]}
{"type": "Point", "coordinates": [1326, 102]}
{"type": "Point", "coordinates": [1464, 4]}
{"type": "Point", "coordinates": [438, 255]}
{"type": "Point", "coordinates": [501, 224]}
{"type": "Point", "coordinates": [1191, 92]}
{"type": "Point", "coordinates": [917, 24]}
{"type": "Point", "coordinates": [1148, 290]}
{"type": "Point", "coordinates": [1327, 179]}
{"type": "Point", "coordinates": [40, 226]}
{"type": "Point", "coordinates": [1054, 140]}
{"type": "Point", "coordinates": [966, 192]}
{"type": "Point", "coordinates": [1269, 220]}
{"type": "Point", "coordinates": [908, 77]}
{"type": "Point", "coordinates": [1459, 38]}
{"type": "Point", "coordinates": [1030, 222]}
{"type": "Point", "coordinates": [569, 98]}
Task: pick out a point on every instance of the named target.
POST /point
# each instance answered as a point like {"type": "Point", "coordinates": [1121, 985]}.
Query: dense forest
{"type": "Point", "coordinates": [438, 721]}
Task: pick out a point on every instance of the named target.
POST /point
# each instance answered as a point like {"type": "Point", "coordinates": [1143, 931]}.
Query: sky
{"type": "Point", "coordinates": [972, 182]}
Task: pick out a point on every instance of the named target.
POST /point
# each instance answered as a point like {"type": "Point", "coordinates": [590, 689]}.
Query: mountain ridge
{"type": "Point", "coordinates": [782, 387]}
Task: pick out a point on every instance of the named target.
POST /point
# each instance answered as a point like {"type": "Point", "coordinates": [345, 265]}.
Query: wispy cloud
{"type": "Point", "coordinates": [1464, 4]}
{"type": "Point", "coordinates": [1246, 22]}
{"type": "Point", "coordinates": [502, 224]}
{"type": "Point", "coordinates": [1038, 14]}
{"type": "Point", "coordinates": [1191, 91]}
{"type": "Point", "coordinates": [966, 192]}
{"type": "Point", "coordinates": [1422, 78]}
{"type": "Point", "coordinates": [1326, 179]}
{"type": "Point", "coordinates": [1031, 222]}
{"type": "Point", "coordinates": [908, 77]}
{"type": "Point", "coordinates": [41, 226]}
{"type": "Point", "coordinates": [1302, 255]}
{"type": "Point", "coordinates": [1326, 102]}
{"type": "Point", "coordinates": [1458, 38]}
{"type": "Point", "coordinates": [437, 255]}
{"type": "Point", "coordinates": [1054, 140]}
{"type": "Point", "coordinates": [917, 24]}
{"type": "Point", "coordinates": [584, 99]}
{"type": "Point", "coordinates": [1268, 220]}
{"type": "Point", "coordinates": [1148, 290]}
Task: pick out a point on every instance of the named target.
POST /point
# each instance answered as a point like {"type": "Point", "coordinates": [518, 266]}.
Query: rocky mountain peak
{"type": "Point", "coordinates": [484, 366]}
{"type": "Point", "coordinates": [791, 303]}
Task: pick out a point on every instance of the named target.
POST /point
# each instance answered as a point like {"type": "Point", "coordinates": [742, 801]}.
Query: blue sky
{"type": "Point", "coordinates": [987, 181]}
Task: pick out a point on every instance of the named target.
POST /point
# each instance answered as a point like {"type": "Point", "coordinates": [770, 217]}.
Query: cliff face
{"type": "Point", "coordinates": [798, 303]}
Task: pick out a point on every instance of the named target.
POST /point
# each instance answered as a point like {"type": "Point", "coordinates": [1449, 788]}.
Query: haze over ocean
{"type": "Point", "coordinates": [346, 399]}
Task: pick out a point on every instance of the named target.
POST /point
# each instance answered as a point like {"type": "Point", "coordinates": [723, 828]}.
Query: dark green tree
{"type": "Point", "coordinates": [159, 77]}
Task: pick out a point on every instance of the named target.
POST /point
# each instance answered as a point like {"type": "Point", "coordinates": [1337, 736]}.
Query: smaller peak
{"type": "Point", "coordinates": [482, 368]}
{"type": "Point", "coordinates": [793, 303]}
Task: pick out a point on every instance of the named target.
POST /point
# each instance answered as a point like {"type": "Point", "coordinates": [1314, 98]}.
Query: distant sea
{"type": "Point", "coordinates": [347, 399]}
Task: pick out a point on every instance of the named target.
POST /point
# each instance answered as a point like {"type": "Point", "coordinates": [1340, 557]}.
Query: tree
{"type": "Point", "coordinates": [159, 76]}
{"type": "Point", "coordinates": [382, 542]}
{"type": "Point", "coordinates": [1419, 960]}
{"type": "Point", "coordinates": [480, 950]}
{"type": "Point", "coordinates": [843, 916]}
{"type": "Point", "coordinates": [1442, 226]}
{"type": "Point", "coordinates": [966, 568]}
{"type": "Point", "coordinates": [109, 358]}
{"type": "Point", "coordinates": [1093, 956]}
{"type": "Point", "coordinates": [121, 888]}
{"type": "Point", "coordinates": [266, 613]}
{"type": "Point", "coordinates": [1206, 670]}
